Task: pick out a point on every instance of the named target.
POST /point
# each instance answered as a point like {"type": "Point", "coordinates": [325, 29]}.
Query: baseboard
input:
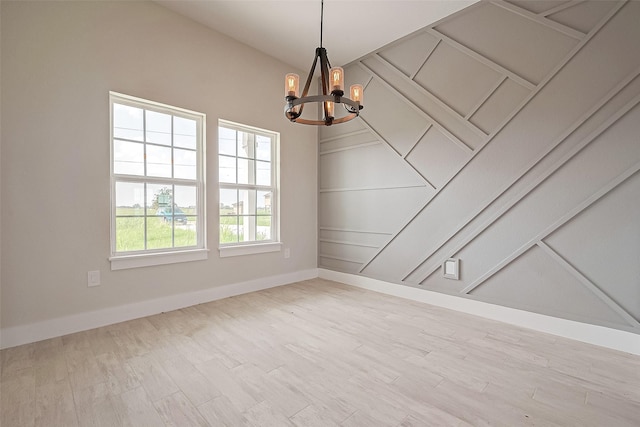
{"type": "Point", "coordinates": [592, 334]}
{"type": "Point", "coordinates": [25, 334]}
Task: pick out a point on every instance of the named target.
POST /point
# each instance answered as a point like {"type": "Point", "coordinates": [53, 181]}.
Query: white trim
{"type": "Point", "coordinates": [592, 334]}
{"type": "Point", "coordinates": [25, 334]}
{"type": "Point", "coordinates": [160, 258]}
{"type": "Point", "coordinates": [260, 248]}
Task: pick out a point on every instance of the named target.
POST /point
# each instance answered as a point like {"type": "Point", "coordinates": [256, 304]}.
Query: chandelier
{"type": "Point", "coordinates": [332, 91]}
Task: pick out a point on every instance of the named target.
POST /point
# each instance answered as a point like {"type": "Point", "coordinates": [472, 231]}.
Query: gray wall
{"type": "Point", "coordinates": [59, 62]}
{"type": "Point", "coordinates": [507, 136]}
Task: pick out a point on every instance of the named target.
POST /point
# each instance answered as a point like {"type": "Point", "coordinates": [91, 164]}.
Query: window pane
{"type": "Point", "coordinates": [229, 229]}
{"type": "Point", "coordinates": [263, 228]}
{"type": "Point", "coordinates": [158, 161]}
{"type": "Point", "coordinates": [184, 132]}
{"type": "Point", "coordinates": [227, 169]}
{"type": "Point", "coordinates": [184, 164]}
{"type": "Point", "coordinates": [159, 199]}
{"type": "Point", "coordinates": [186, 198]}
{"type": "Point", "coordinates": [226, 141]}
{"type": "Point", "coordinates": [159, 230]}
{"type": "Point", "coordinates": [246, 171]}
{"type": "Point", "coordinates": [185, 219]}
{"type": "Point", "coordinates": [228, 201]}
{"type": "Point", "coordinates": [245, 145]}
{"type": "Point", "coordinates": [263, 150]}
{"type": "Point", "coordinates": [263, 173]}
{"type": "Point", "coordinates": [158, 127]}
{"type": "Point", "coordinates": [128, 158]}
{"type": "Point", "coordinates": [127, 122]}
{"type": "Point", "coordinates": [129, 234]}
{"type": "Point", "coordinates": [185, 233]}
{"type": "Point", "coordinates": [263, 202]}
{"type": "Point", "coordinates": [129, 198]}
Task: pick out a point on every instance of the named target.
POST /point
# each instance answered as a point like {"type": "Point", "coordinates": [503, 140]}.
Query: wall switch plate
{"type": "Point", "coordinates": [451, 269]}
{"type": "Point", "coordinates": [93, 278]}
{"type": "Point", "coordinates": [287, 252]}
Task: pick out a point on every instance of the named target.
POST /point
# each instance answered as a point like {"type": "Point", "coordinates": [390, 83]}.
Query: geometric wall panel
{"type": "Point", "coordinates": [499, 105]}
{"type": "Point", "coordinates": [456, 79]}
{"type": "Point", "coordinates": [531, 149]}
{"type": "Point", "coordinates": [603, 243]}
{"type": "Point", "coordinates": [382, 210]}
{"type": "Point", "coordinates": [406, 127]}
{"type": "Point", "coordinates": [538, 6]}
{"type": "Point", "coordinates": [437, 158]}
{"type": "Point", "coordinates": [410, 54]}
{"type": "Point", "coordinates": [535, 282]}
{"type": "Point", "coordinates": [346, 169]}
{"type": "Point", "coordinates": [525, 47]}
{"type": "Point", "coordinates": [583, 16]}
{"type": "Point", "coordinates": [359, 238]}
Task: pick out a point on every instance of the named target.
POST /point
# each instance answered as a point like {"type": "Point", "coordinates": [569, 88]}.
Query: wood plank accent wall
{"type": "Point", "coordinates": [505, 135]}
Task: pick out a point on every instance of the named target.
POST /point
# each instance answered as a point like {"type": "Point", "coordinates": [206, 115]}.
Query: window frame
{"type": "Point", "coordinates": [148, 257]}
{"type": "Point", "coordinates": [254, 246]}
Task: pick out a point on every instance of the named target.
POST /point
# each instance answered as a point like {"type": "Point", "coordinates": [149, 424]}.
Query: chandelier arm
{"type": "Point", "coordinates": [324, 76]}
{"type": "Point", "coordinates": [307, 85]}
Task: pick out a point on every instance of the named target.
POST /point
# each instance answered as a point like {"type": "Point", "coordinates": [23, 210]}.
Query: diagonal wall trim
{"type": "Point", "coordinates": [381, 138]}
{"type": "Point", "coordinates": [433, 49]}
{"type": "Point", "coordinates": [428, 94]}
{"type": "Point", "coordinates": [578, 35]}
{"type": "Point", "coordinates": [560, 7]}
{"type": "Point", "coordinates": [559, 223]}
{"type": "Point", "coordinates": [430, 270]}
{"type": "Point", "coordinates": [419, 110]}
{"type": "Point", "coordinates": [489, 63]}
{"type": "Point", "coordinates": [417, 142]}
{"type": "Point", "coordinates": [588, 284]}
{"type": "Point", "coordinates": [484, 99]}
{"type": "Point", "coordinates": [498, 129]}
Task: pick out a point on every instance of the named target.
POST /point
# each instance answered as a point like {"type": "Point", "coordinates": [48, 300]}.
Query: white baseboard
{"type": "Point", "coordinates": [592, 334]}
{"type": "Point", "coordinates": [25, 334]}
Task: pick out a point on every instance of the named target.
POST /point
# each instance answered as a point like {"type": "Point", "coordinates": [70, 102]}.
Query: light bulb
{"type": "Point", "coordinates": [330, 106]}
{"type": "Point", "coordinates": [357, 93]}
{"type": "Point", "coordinates": [291, 85]}
{"type": "Point", "coordinates": [337, 79]}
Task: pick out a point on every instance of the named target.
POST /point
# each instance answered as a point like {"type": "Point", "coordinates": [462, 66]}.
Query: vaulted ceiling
{"type": "Point", "coordinates": [289, 30]}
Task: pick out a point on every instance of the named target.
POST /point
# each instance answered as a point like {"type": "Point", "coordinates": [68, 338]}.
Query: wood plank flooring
{"type": "Point", "coordinates": [316, 353]}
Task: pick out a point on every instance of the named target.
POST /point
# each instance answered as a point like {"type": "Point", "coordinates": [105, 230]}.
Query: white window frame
{"type": "Point", "coordinates": [150, 257]}
{"type": "Point", "coordinates": [254, 246]}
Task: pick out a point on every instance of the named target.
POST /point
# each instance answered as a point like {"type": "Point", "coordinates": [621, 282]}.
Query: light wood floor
{"type": "Point", "coordinates": [316, 353]}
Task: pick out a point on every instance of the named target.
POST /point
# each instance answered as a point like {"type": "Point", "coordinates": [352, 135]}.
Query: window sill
{"type": "Point", "coordinates": [147, 260]}
{"type": "Point", "coordinates": [259, 248]}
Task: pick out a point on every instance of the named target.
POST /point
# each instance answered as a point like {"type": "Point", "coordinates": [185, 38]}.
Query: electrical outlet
{"type": "Point", "coordinates": [287, 252]}
{"type": "Point", "coordinates": [93, 278]}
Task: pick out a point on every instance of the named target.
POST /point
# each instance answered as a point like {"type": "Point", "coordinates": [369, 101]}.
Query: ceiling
{"type": "Point", "coordinates": [289, 30]}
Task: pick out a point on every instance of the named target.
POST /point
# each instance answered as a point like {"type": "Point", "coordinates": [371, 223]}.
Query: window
{"type": "Point", "coordinates": [157, 183]}
{"type": "Point", "coordinates": [248, 179]}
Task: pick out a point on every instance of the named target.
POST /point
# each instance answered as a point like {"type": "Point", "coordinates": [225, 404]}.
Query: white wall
{"type": "Point", "coordinates": [59, 62]}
